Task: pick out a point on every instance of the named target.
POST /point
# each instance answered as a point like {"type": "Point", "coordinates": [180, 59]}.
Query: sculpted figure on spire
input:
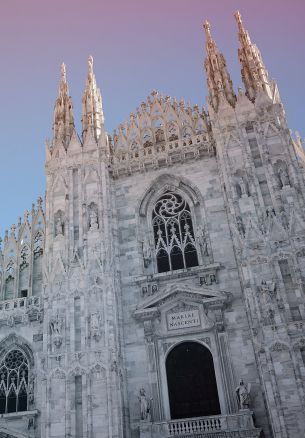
{"type": "Point", "coordinates": [253, 70]}
{"type": "Point", "coordinates": [63, 124]}
{"type": "Point", "coordinates": [92, 115]}
{"type": "Point", "coordinates": [218, 78]}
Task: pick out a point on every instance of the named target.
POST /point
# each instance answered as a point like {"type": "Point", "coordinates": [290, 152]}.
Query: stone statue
{"type": "Point", "coordinates": [203, 241]}
{"type": "Point", "coordinates": [95, 326]}
{"type": "Point", "coordinates": [58, 227]}
{"type": "Point", "coordinates": [146, 249]}
{"type": "Point", "coordinates": [243, 187]}
{"type": "Point", "coordinates": [283, 175]}
{"type": "Point", "coordinates": [285, 220]}
{"type": "Point", "coordinates": [31, 423]}
{"type": "Point", "coordinates": [144, 404]}
{"type": "Point", "coordinates": [31, 389]}
{"type": "Point", "coordinates": [56, 326]}
{"type": "Point", "coordinates": [270, 318]}
{"type": "Point", "coordinates": [268, 288]}
{"type": "Point", "coordinates": [243, 395]}
{"type": "Point", "coordinates": [93, 222]}
{"type": "Point", "coordinates": [240, 226]}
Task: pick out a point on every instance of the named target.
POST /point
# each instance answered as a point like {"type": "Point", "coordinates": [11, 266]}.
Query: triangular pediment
{"type": "Point", "coordinates": [177, 291]}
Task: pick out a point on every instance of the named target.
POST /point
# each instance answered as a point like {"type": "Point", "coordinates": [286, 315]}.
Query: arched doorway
{"type": "Point", "coordinates": [191, 380]}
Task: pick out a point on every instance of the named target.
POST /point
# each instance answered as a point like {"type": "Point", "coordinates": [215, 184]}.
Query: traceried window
{"type": "Point", "coordinates": [175, 246]}
{"type": "Point", "coordinates": [14, 388]}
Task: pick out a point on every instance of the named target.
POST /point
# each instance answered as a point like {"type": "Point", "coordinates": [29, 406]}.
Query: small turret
{"type": "Point", "coordinates": [218, 78]}
{"type": "Point", "coordinates": [253, 70]}
{"type": "Point", "coordinates": [63, 124]}
{"type": "Point", "coordinates": [92, 114]}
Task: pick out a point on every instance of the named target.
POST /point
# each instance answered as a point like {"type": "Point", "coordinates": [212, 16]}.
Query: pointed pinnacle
{"type": "Point", "coordinates": [63, 72]}
{"type": "Point", "coordinates": [239, 22]}
{"type": "Point", "coordinates": [90, 65]}
{"type": "Point", "coordinates": [238, 18]}
{"type": "Point", "coordinates": [207, 29]}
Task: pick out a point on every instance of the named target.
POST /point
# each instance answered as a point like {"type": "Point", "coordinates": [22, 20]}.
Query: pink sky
{"type": "Point", "coordinates": [137, 46]}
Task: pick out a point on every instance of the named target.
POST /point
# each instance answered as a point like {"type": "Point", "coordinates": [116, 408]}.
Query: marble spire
{"type": "Point", "coordinates": [218, 78]}
{"type": "Point", "coordinates": [254, 73]}
{"type": "Point", "coordinates": [63, 123]}
{"type": "Point", "coordinates": [92, 111]}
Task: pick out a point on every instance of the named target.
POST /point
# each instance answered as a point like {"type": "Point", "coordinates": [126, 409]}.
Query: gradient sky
{"type": "Point", "coordinates": [138, 46]}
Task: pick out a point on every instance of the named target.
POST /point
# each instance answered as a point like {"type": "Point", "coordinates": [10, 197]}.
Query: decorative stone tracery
{"type": "Point", "coordinates": [175, 246]}
{"type": "Point", "coordinates": [16, 385]}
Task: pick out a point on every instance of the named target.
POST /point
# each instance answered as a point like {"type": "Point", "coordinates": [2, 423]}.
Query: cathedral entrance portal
{"type": "Point", "coordinates": [191, 381]}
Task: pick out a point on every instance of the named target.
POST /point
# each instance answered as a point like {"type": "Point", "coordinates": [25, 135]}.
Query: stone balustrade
{"type": "Point", "coordinates": [220, 426]}
{"type": "Point", "coordinates": [15, 310]}
{"type": "Point", "coordinates": [161, 154]}
{"type": "Point", "coordinates": [182, 427]}
{"type": "Point", "coordinates": [19, 303]}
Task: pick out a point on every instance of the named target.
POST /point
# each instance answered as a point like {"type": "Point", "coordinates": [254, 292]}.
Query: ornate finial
{"type": "Point", "coordinates": [90, 65]}
{"type": "Point", "coordinates": [154, 93]}
{"type": "Point", "coordinates": [238, 18]}
{"type": "Point", "coordinates": [207, 29]}
{"type": "Point", "coordinates": [63, 72]}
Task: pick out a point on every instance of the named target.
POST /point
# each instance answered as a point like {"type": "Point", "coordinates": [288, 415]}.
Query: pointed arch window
{"type": "Point", "coordinates": [14, 382]}
{"type": "Point", "coordinates": [175, 246]}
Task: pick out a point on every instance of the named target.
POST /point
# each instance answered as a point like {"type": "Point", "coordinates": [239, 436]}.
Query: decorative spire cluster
{"type": "Point", "coordinates": [92, 114]}
{"type": "Point", "coordinates": [253, 70]}
{"type": "Point", "coordinates": [218, 79]}
{"type": "Point", "coordinates": [254, 73]}
{"type": "Point", "coordinates": [63, 124]}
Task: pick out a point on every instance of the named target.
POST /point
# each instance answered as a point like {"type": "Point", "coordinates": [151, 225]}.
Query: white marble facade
{"type": "Point", "coordinates": [183, 231]}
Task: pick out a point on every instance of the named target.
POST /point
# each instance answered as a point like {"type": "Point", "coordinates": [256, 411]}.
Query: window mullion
{"type": "Point", "coordinates": [182, 246]}
{"type": "Point", "coordinates": [168, 245]}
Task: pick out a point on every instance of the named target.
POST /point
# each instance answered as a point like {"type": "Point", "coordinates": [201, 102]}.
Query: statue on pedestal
{"type": "Point", "coordinates": [144, 405]}
{"type": "Point", "coordinates": [93, 221]}
{"type": "Point", "coordinates": [203, 240]}
{"type": "Point", "coordinates": [146, 249]}
{"type": "Point", "coordinates": [284, 178]}
{"type": "Point", "coordinates": [58, 227]}
{"type": "Point", "coordinates": [243, 395]}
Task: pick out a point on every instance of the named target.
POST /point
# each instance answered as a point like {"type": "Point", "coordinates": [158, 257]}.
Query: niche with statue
{"type": "Point", "coordinates": [93, 220]}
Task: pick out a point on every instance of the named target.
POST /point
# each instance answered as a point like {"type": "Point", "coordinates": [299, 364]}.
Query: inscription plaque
{"type": "Point", "coordinates": [179, 320]}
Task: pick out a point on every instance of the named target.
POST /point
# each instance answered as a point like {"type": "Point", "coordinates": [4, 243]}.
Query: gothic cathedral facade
{"type": "Point", "coordinates": [159, 288]}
